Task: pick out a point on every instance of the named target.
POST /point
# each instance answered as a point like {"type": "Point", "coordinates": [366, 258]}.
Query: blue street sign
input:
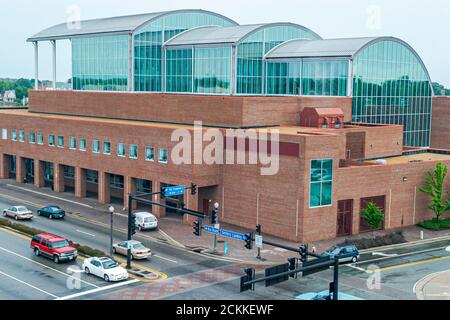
{"type": "Point", "coordinates": [232, 235]}
{"type": "Point", "coordinates": [173, 191]}
{"type": "Point", "coordinates": [210, 229]}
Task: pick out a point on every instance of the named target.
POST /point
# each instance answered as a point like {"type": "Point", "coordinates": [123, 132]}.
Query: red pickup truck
{"type": "Point", "coordinates": [54, 247]}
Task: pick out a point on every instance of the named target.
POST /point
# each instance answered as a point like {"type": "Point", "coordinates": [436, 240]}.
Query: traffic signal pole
{"type": "Point", "coordinates": [130, 206]}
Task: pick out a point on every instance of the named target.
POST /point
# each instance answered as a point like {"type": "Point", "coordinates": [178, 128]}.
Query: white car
{"type": "Point", "coordinates": [105, 268]}
{"type": "Point", "coordinates": [18, 213]}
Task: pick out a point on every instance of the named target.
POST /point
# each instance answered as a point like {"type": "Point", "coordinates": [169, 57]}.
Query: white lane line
{"type": "Point", "coordinates": [83, 232]}
{"type": "Point", "coordinates": [47, 267]}
{"type": "Point", "coordinates": [164, 258]}
{"type": "Point", "coordinates": [29, 285]}
{"type": "Point", "coordinates": [384, 254]}
{"type": "Point", "coordinates": [113, 286]}
{"type": "Point", "coordinates": [50, 196]}
{"type": "Point", "coordinates": [357, 268]}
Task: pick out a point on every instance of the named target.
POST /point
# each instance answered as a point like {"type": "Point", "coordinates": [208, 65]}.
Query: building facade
{"type": "Point", "coordinates": [343, 111]}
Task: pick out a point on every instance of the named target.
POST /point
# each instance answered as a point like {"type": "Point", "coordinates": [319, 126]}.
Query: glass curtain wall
{"type": "Point", "coordinates": [391, 86]}
{"type": "Point", "coordinates": [148, 44]}
{"type": "Point", "coordinates": [179, 70]}
{"type": "Point", "coordinates": [251, 51]}
{"type": "Point", "coordinates": [212, 70]}
{"type": "Point", "coordinates": [283, 78]}
{"type": "Point", "coordinates": [324, 77]}
{"type": "Point", "coordinates": [100, 63]}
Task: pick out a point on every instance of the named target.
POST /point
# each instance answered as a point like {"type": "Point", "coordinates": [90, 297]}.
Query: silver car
{"type": "Point", "coordinates": [138, 250]}
{"type": "Point", "coordinates": [18, 213]}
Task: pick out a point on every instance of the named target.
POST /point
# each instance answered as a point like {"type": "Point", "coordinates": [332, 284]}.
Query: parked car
{"type": "Point", "coordinates": [18, 213]}
{"type": "Point", "coordinates": [146, 221]}
{"type": "Point", "coordinates": [105, 268]}
{"type": "Point", "coordinates": [325, 295]}
{"type": "Point", "coordinates": [344, 252]}
{"type": "Point", "coordinates": [54, 247]}
{"type": "Point", "coordinates": [52, 212]}
{"type": "Point", "coordinates": [138, 250]}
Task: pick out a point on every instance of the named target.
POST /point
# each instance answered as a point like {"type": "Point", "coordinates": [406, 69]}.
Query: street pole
{"type": "Point", "coordinates": [111, 212]}
{"type": "Point", "coordinates": [336, 279]}
{"type": "Point", "coordinates": [130, 200]}
{"type": "Point", "coordinates": [216, 218]}
{"type": "Point", "coordinates": [258, 230]}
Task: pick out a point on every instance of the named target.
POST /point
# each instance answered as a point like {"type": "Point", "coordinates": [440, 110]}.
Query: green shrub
{"type": "Point", "coordinates": [435, 225]}
{"type": "Point", "coordinates": [88, 251]}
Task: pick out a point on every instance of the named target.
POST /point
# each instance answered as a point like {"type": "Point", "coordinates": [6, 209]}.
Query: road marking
{"type": "Point", "coordinates": [113, 286]}
{"type": "Point", "coordinates": [17, 200]}
{"type": "Point", "coordinates": [357, 268]}
{"type": "Point", "coordinates": [50, 196]}
{"type": "Point", "coordinates": [45, 266]}
{"type": "Point", "coordinates": [384, 254]}
{"type": "Point", "coordinates": [29, 285]}
{"type": "Point", "coordinates": [164, 258]}
{"type": "Point", "coordinates": [411, 264]}
{"type": "Point", "coordinates": [87, 233]}
{"type": "Point", "coordinates": [400, 255]}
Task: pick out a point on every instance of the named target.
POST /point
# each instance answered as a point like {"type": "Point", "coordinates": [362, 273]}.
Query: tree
{"type": "Point", "coordinates": [435, 189]}
{"type": "Point", "coordinates": [373, 215]}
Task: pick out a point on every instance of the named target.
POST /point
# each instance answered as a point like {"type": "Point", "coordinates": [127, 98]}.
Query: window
{"type": "Point", "coordinates": [106, 147]}
{"type": "Point", "coordinates": [150, 154]}
{"type": "Point", "coordinates": [51, 140]}
{"type": "Point", "coordinates": [40, 138]}
{"type": "Point", "coordinates": [73, 143]}
{"type": "Point", "coordinates": [116, 181]}
{"type": "Point", "coordinates": [82, 144]}
{"type": "Point", "coordinates": [21, 135]}
{"type": "Point", "coordinates": [133, 151]}
{"type": "Point", "coordinates": [95, 146]}
{"type": "Point", "coordinates": [4, 134]}
{"type": "Point", "coordinates": [60, 141]}
{"type": "Point", "coordinates": [321, 183]}
{"type": "Point", "coordinates": [121, 151]}
{"type": "Point", "coordinates": [13, 135]}
{"type": "Point", "coordinates": [163, 155]}
{"type": "Point", "coordinates": [32, 137]}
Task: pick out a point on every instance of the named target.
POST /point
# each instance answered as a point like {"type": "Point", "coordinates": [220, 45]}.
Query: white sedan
{"type": "Point", "coordinates": [18, 213]}
{"type": "Point", "coordinates": [105, 268]}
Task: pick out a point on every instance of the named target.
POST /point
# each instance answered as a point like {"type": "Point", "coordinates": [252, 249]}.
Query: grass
{"type": "Point", "coordinates": [443, 224]}
{"type": "Point", "coordinates": [85, 250]}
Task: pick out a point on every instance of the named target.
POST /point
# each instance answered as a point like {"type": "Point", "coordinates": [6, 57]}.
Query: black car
{"type": "Point", "coordinates": [52, 212]}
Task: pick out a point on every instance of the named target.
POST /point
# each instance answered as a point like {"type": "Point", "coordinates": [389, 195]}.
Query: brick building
{"type": "Point", "coordinates": [346, 136]}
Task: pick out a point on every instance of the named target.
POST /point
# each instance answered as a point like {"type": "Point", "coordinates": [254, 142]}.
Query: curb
{"type": "Point", "coordinates": [418, 287]}
{"type": "Point", "coordinates": [406, 244]}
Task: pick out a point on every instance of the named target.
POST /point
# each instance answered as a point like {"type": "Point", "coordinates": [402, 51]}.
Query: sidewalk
{"type": "Point", "coordinates": [174, 231]}
{"type": "Point", "coordinates": [434, 287]}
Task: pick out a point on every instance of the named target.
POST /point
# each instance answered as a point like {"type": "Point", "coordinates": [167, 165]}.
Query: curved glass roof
{"type": "Point", "coordinates": [319, 48]}
{"type": "Point", "coordinates": [114, 25]}
{"type": "Point", "coordinates": [215, 35]}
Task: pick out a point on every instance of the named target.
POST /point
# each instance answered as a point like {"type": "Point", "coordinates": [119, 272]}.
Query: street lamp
{"type": "Point", "coordinates": [111, 212]}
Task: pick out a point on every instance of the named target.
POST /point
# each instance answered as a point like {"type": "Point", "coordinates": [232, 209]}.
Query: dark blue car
{"type": "Point", "coordinates": [344, 252]}
{"type": "Point", "coordinates": [52, 212]}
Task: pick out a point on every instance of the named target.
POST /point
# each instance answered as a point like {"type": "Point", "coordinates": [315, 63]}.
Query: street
{"type": "Point", "coordinates": [183, 274]}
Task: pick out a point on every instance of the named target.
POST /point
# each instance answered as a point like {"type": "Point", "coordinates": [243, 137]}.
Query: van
{"type": "Point", "coordinates": [146, 221]}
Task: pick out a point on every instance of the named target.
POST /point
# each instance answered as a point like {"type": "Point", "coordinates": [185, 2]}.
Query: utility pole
{"type": "Point", "coordinates": [130, 202]}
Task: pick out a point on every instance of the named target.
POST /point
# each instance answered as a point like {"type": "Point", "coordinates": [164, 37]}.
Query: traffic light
{"type": "Point", "coordinates": [133, 224]}
{"type": "Point", "coordinates": [292, 266]}
{"type": "Point", "coordinates": [303, 253]}
{"type": "Point", "coordinates": [193, 189]}
{"type": "Point", "coordinates": [198, 228]}
{"type": "Point", "coordinates": [249, 240]}
{"type": "Point", "coordinates": [214, 216]}
{"type": "Point", "coordinates": [249, 276]}
{"type": "Point", "coordinates": [258, 229]}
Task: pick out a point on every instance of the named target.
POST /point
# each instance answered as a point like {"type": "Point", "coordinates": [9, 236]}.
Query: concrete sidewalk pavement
{"type": "Point", "coordinates": [436, 286]}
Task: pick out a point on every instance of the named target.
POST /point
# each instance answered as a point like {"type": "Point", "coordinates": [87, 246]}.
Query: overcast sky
{"type": "Point", "coordinates": [425, 25]}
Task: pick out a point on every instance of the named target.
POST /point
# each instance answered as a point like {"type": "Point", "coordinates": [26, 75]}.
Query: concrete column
{"type": "Point", "coordinates": [58, 177]}
{"type": "Point", "coordinates": [192, 204]}
{"type": "Point", "coordinates": [130, 187]}
{"type": "Point", "coordinates": [20, 169]}
{"type": "Point", "coordinates": [104, 188]}
{"type": "Point", "coordinates": [157, 210]}
{"type": "Point", "coordinates": [39, 179]}
{"type": "Point", "coordinates": [54, 63]}
{"type": "Point", "coordinates": [5, 166]}
{"type": "Point", "coordinates": [80, 182]}
{"type": "Point", "coordinates": [36, 65]}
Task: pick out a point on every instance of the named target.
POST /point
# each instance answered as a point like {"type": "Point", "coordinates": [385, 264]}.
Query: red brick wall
{"type": "Point", "coordinates": [181, 108]}
{"type": "Point", "coordinates": [440, 128]}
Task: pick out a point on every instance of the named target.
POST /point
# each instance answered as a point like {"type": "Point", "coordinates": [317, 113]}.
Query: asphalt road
{"type": "Point", "coordinates": [168, 259]}
{"type": "Point", "coordinates": [25, 276]}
